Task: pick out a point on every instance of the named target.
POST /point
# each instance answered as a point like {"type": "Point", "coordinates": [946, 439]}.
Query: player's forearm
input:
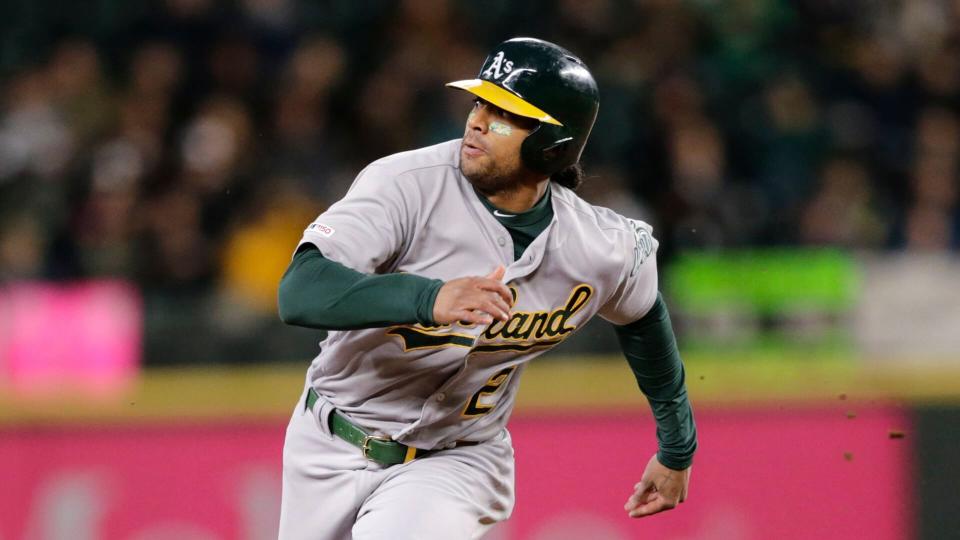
{"type": "Point", "coordinates": [651, 350]}
{"type": "Point", "coordinates": [319, 293]}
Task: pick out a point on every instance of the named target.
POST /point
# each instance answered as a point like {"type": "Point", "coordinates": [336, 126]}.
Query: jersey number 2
{"type": "Point", "coordinates": [476, 406]}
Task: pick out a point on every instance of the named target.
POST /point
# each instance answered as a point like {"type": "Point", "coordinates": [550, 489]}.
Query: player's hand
{"type": "Point", "coordinates": [477, 300]}
{"type": "Point", "coordinates": [660, 489]}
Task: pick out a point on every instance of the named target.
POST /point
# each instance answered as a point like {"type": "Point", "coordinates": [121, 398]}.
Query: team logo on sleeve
{"type": "Point", "coordinates": [643, 246]}
{"type": "Point", "coordinates": [320, 228]}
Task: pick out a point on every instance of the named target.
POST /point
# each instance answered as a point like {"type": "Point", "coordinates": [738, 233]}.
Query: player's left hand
{"type": "Point", "coordinates": [660, 488]}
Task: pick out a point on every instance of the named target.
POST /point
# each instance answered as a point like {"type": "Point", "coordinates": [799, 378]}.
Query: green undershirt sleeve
{"type": "Point", "coordinates": [651, 350]}
{"type": "Point", "coordinates": [316, 292]}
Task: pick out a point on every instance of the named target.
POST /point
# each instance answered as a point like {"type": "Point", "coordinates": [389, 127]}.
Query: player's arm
{"type": "Point", "coordinates": [643, 327]}
{"type": "Point", "coordinates": [317, 292]}
{"type": "Point", "coordinates": [651, 350]}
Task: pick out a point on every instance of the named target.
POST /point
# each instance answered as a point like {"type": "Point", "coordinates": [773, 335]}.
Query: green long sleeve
{"type": "Point", "coordinates": [316, 292]}
{"type": "Point", "coordinates": [651, 350]}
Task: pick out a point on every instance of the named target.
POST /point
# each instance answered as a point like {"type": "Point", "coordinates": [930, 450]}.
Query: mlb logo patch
{"type": "Point", "coordinates": [320, 228]}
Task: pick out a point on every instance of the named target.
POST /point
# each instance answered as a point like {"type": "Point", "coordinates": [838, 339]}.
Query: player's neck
{"type": "Point", "coordinates": [520, 197]}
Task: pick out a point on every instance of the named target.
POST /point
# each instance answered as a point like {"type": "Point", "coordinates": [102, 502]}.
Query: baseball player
{"type": "Point", "coordinates": [401, 429]}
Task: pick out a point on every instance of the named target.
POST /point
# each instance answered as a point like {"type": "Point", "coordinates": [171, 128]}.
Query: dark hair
{"type": "Point", "coordinates": [571, 177]}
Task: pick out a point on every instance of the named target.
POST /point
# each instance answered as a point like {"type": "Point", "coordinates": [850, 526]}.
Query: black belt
{"type": "Point", "coordinates": [383, 450]}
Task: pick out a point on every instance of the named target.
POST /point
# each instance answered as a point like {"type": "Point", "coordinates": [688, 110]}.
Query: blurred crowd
{"type": "Point", "coordinates": [185, 144]}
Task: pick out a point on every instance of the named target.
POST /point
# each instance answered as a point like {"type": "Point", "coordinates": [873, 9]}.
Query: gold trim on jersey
{"type": "Point", "coordinates": [414, 338]}
{"type": "Point", "coordinates": [491, 348]}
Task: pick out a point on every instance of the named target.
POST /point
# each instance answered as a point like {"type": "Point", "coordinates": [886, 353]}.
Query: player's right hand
{"type": "Point", "coordinates": [477, 300]}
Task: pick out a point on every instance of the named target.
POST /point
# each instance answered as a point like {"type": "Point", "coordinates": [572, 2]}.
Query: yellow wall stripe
{"type": "Point", "coordinates": [269, 392]}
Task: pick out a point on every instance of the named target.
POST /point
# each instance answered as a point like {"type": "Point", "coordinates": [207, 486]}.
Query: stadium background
{"type": "Point", "coordinates": [798, 160]}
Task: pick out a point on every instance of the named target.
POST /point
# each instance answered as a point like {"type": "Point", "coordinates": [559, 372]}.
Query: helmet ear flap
{"type": "Point", "coordinates": [555, 154]}
{"type": "Point", "coordinates": [548, 149]}
{"type": "Point", "coordinates": [557, 150]}
{"type": "Point", "coordinates": [531, 151]}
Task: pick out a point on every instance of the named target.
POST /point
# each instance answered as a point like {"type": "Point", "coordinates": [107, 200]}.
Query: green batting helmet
{"type": "Point", "coordinates": [537, 79]}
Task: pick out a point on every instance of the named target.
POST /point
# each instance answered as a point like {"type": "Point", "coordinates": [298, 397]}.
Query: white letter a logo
{"type": "Point", "coordinates": [495, 66]}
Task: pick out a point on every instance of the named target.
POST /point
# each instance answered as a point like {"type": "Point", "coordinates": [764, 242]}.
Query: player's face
{"type": "Point", "coordinates": [490, 151]}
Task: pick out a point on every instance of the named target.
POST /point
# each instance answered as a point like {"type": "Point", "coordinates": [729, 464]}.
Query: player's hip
{"type": "Point", "coordinates": [317, 428]}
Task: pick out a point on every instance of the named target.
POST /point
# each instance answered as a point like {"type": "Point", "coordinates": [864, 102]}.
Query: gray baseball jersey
{"type": "Point", "coordinates": [430, 386]}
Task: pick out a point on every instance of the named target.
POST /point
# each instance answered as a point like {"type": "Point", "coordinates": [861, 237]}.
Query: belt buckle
{"type": "Point", "coordinates": [365, 446]}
